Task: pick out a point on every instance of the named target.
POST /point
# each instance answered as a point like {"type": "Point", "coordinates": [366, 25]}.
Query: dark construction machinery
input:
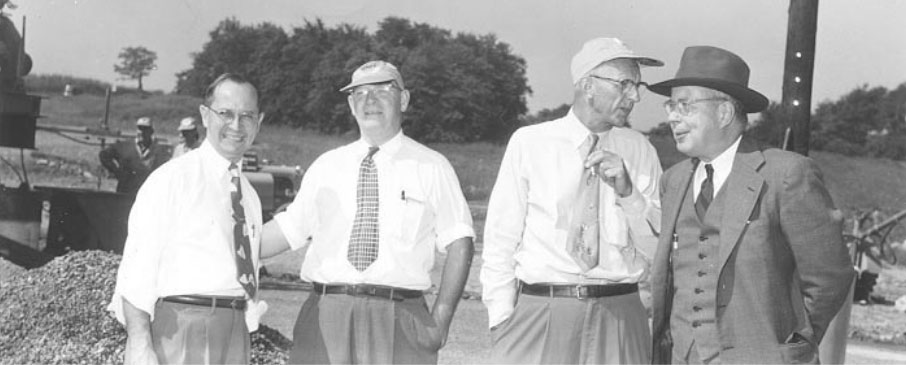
{"type": "Point", "coordinates": [80, 219]}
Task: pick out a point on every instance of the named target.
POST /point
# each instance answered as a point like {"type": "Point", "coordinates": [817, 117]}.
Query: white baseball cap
{"type": "Point", "coordinates": [375, 72]}
{"type": "Point", "coordinates": [600, 50]}
{"type": "Point", "coordinates": [187, 124]}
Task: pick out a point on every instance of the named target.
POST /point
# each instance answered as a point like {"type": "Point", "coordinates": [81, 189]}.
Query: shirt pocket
{"type": "Point", "coordinates": [412, 210]}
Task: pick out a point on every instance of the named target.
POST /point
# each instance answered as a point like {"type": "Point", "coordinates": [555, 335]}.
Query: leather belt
{"type": "Point", "coordinates": [208, 301]}
{"type": "Point", "coordinates": [379, 291]}
{"type": "Point", "coordinates": [577, 291]}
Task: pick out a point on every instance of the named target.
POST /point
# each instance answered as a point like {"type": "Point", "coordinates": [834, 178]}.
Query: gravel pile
{"type": "Point", "coordinates": [57, 314]}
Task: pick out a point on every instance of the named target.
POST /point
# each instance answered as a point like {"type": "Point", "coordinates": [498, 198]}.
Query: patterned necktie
{"type": "Point", "coordinates": [706, 194]}
{"type": "Point", "coordinates": [582, 240]}
{"type": "Point", "coordinates": [363, 242]}
{"type": "Point", "coordinates": [245, 270]}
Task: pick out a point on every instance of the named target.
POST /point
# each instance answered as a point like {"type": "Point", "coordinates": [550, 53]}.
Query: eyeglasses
{"type": "Point", "coordinates": [626, 85]}
{"type": "Point", "coordinates": [684, 107]}
{"type": "Point", "coordinates": [382, 91]}
{"type": "Point", "coordinates": [227, 115]}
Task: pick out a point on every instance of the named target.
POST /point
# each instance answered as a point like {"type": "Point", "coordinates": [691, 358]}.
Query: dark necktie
{"type": "Point", "coordinates": [582, 240]}
{"type": "Point", "coordinates": [706, 194]}
{"type": "Point", "coordinates": [363, 242]}
{"type": "Point", "coordinates": [245, 270]}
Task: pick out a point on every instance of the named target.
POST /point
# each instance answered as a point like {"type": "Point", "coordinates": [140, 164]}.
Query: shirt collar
{"type": "Point", "coordinates": [724, 161]}
{"type": "Point", "coordinates": [576, 131]}
{"type": "Point", "coordinates": [213, 161]}
{"type": "Point", "coordinates": [389, 148]}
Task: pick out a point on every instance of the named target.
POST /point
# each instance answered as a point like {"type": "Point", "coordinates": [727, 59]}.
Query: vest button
{"type": "Point", "coordinates": [697, 308]}
{"type": "Point", "coordinates": [695, 324]}
{"type": "Point", "coordinates": [702, 255]}
{"type": "Point", "coordinates": [699, 291]}
{"type": "Point", "coordinates": [702, 238]}
{"type": "Point", "coordinates": [702, 273]}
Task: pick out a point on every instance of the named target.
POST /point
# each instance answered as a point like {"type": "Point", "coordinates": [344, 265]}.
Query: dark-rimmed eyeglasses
{"type": "Point", "coordinates": [626, 85]}
{"type": "Point", "coordinates": [228, 115]}
{"type": "Point", "coordinates": [684, 107]}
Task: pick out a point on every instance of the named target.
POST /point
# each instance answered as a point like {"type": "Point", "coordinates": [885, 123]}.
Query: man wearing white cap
{"type": "Point", "coordinates": [188, 137]}
{"type": "Point", "coordinates": [131, 161]}
{"type": "Point", "coordinates": [372, 214]}
{"type": "Point", "coordinates": [573, 199]}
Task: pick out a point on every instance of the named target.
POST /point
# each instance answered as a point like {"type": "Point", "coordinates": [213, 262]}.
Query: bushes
{"type": "Point", "coordinates": [56, 314]}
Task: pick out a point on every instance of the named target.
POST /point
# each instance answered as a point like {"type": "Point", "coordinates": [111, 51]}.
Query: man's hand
{"type": "Point", "coordinates": [139, 346]}
{"type": "Point", "coordinates": [436, 336]}
{"type": "Point", "coordinates": [140, 351]}
{"type": "Point", "coordinates": [610, 167]}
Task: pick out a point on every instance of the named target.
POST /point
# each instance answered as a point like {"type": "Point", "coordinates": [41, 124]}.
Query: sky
{"type": "Point", "coordinates": [858, 42]}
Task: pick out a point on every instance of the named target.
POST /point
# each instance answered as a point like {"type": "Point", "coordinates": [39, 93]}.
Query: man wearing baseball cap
{"type": "Point", "coordinates": [131, 161]}
{"type": "Point", "coordinates": [573, 199]}
{"type": "Point", "coordinates": [372, 215]}
{"type": "Point", "coordinates": [188, 137]}
{"type": "Point", "coordinates": [750, 265]}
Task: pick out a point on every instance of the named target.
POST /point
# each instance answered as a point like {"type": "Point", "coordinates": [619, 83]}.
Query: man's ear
{"type": "Point", "coordinates": [204, 116]}
{"type": "Point", "coordinates": [404, 100]}
{"type": "Point", "coordinates": [727, 114]}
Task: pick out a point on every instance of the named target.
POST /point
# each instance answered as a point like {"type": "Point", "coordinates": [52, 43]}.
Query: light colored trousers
{"type": "Point", "coordinates": [194, 334]}
{"type": "Point", "coordinates": [544, 330]}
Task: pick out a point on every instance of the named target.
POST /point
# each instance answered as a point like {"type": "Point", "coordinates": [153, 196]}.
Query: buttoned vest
{"type": "Point", "coordinates": [695, 272]}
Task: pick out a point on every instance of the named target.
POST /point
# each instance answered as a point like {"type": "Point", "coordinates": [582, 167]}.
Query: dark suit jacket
{"type": "Point", "coordinates": [784, 268]}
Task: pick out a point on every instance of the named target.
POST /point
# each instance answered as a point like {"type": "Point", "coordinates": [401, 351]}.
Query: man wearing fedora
{"type": "Point", "coordinates": [750, 265]}
{"type": "Point", "coordinates": [372, 215]}
{"type": "Point", "coordinates": [573, 201]}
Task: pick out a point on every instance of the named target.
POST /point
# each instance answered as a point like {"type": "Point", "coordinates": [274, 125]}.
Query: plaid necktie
{"type": "Point", "coordinates": [363, 242]}
{"type": "Point", "coordinates": [245, 270]}
{"type": "Point", "coordinates": [582, 240]}
{"type": "Point", "coordinates": [706, 194]}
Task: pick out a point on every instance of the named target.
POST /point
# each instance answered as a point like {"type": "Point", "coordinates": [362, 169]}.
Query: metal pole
{"type": "Point", "coordinates": [798, 69]}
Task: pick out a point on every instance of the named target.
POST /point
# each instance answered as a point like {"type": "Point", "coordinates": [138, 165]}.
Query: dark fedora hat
{"type": "Point", "coordinates": [716, 69]}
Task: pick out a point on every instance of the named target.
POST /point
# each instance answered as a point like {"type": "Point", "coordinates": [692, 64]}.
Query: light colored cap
{"type": "Point", "coordinates": [600, 50]}
{"type": "Point", "coordinates": [187, 124]}
{"type": "Point", "coordinates": [143, 122]}
{"type": "Point", "coordinates": [375, 72]}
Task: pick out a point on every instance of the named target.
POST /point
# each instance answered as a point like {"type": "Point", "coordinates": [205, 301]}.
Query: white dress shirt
{"type": "Point", "coordinates": [722, 164]}
{"type": "Point", "coordinates": [531, 206]}
{"type": "Point", "coordinates": [180, 239]}
{"type": "Point", "coordinates": [421, 210]}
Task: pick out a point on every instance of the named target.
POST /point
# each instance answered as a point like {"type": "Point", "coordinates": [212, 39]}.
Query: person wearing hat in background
{"type": "Point", "coordinates": [750, 265]}
{"type": "Point", "coordinates": [131, 161]}
{"type": "Point", "coordinates": [372, 214]}
{"type": "Point", "coordinates": [188, 137]}
{"type": "Point", "coordinates": [186, 289]}
{"type": "Point", "coordinates": [573, 200]}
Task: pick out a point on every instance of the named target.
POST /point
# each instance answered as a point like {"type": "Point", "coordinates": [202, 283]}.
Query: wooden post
{"type": "Point", "coordinates": [798, 70]}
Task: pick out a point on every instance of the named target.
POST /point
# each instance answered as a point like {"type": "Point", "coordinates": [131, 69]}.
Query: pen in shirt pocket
{"type": "Point", "coordinates": [408, 198]}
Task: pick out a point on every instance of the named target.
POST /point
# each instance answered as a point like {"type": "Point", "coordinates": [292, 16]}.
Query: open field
{"type": "Point", "coordinates": [855, 183]}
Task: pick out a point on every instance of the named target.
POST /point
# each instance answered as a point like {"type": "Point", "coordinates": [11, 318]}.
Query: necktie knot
{"type": "Point", "coordinates": [371, 152]}
{"type": "Point", "coordinates": [709, 170]}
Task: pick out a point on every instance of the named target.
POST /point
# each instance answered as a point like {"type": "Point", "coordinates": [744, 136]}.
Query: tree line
{"type": "Point", "coordinates": [868, 122]}
{"type": "Point", "coordinates": [464, 87]}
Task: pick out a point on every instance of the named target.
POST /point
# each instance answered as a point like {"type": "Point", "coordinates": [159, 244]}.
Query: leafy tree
{"type": "Point", "coordinates": [136, 63]}
{"type": "Point", "coordinates": [464, 87]}
{"type": "Point", "coordinates": [770, 129]}
{"type": "Point", "coordinates": [545, 114]}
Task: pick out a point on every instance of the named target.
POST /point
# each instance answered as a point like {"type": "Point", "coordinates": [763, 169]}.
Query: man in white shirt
{"type": "Point", "coordinates": [187, 285]}
{"type": "Point", "coordinates": [561, 267]}
{"type": "Point", "coordinates": [372, 214]}
{"type": "Point", "coordinates": [188, 137]}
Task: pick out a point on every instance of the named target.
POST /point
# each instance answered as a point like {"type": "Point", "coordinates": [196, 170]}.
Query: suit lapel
{"type": "Point", "coordinates": [678, 187]}
{"type": "Point", "coordinates": [743, 188]}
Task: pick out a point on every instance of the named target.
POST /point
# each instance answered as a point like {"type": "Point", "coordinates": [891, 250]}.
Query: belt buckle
{"type": "Point", "coordinates": [581, 292]}
{"type": "Point", "coordinates": [351, 290]}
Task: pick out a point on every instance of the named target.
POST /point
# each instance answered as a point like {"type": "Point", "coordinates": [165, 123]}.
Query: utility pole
{"type": "Point", "coordinates": [797, 74]}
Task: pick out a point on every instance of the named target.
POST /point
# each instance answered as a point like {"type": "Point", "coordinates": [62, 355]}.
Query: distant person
{"type": "Point", "coordinates": [187, 287]}
{"type": "Point", "coordinates": [188, 137]}
{"type": "Point", "coordinates": [372, 214]}
{"type": "Point", "coordinates": [573, 200]}
{"type": "Point", "coordinates": [131, 161]}
{"type": "Point", "coordinates": [750, 266]}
